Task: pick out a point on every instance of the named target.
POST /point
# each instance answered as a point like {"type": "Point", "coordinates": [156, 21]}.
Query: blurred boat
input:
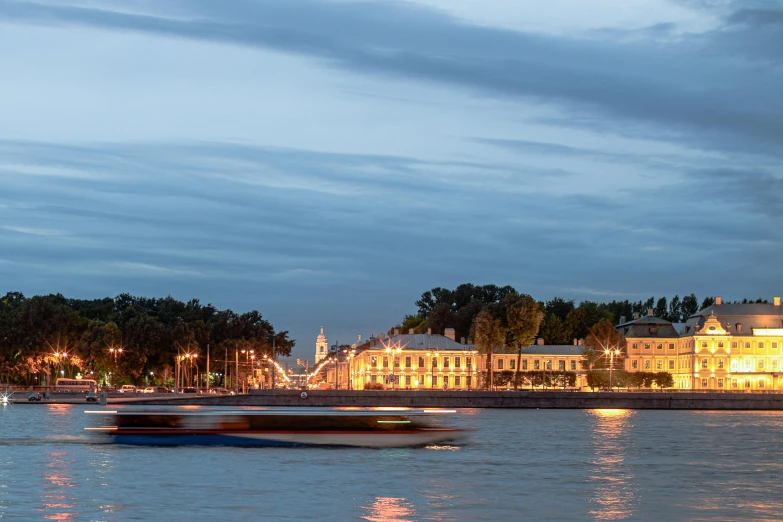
{"type": "Point", "coordinates": [372, 427]}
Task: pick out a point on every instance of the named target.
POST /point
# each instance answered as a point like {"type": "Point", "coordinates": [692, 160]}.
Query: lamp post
{"type": "Point", "coordinates": [611, 354]}
{"type": "Point", "coordinates": [350, 369]}
{"type": "Point", "coordinates": [433, 362]}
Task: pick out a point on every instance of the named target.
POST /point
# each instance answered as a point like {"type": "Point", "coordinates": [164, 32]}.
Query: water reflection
{"type": "Point", "coordinates": [614, 489]}
{"type": "Point", "coordinates": [390, 509]}
{"type": "Point", "coordinates": [57, 503]}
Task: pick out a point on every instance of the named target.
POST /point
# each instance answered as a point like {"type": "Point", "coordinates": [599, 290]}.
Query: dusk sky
{"type": "Point", "coordinates": [326, 162]}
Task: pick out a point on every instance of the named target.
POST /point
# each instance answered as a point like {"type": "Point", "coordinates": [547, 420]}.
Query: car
{"type": "Point", "coordinates": [92, 396]}
{"type": "Point", "coordinates": [149, 389]}
{"type": "Point", "coordinates": [34, 397]}
{"type": "Point", "coordinates": [220, 391]}
{"type": "Point", "coordinates": [188, 390]}
{"type": "Point", "coordinates": [128, 388]}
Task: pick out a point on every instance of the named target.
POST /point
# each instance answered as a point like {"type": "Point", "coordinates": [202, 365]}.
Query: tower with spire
{"type": "Point", "coordinates": [321, 346]}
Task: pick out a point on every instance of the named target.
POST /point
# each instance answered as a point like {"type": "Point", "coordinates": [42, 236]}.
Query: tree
{"type": "Point", "coordinates": [559, 307]}
{"type": "Point", "coordinates": [662, 309]}
{"type": "Point", "coordinates": [708, 301]}
{"type": "Point", "coordinates": [553, 331]}
{"type": "Point", "coordinates": [664, 380]}
{"type": "Point", "coordinates": [523, 318]}
{"type": "Point", "coordinates": [604, 347]}
{"type": "Point", "coordinates": [488, 335]}
{"type": "Point", "coordinates": [690, 305]}
{"type": "Point", "coordinates": [675, 309]}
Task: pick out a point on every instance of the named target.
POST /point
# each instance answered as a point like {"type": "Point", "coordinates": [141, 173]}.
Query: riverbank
{"type": "Point", "coordinates": [484, 399]}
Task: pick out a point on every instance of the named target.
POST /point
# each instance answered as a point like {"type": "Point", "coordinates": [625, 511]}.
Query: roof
{"type": "Point", "coordinates": [422, 342]}
{"type": "Point", "coordinates": [553, 349]}
{"type": "Point", "coordinates": [645, 319]}
{"type": "Point", "coordinates": [749, 315]}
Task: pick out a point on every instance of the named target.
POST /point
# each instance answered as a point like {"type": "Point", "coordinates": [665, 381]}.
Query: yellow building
{"type": "Point", "coordinates": [724, 347]}
{"type": "Point", "coordinates": [541, 357]}
{"type": "Point", "coordinates": [404, 361]}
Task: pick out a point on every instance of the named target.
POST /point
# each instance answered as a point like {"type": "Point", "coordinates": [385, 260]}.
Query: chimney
{"type": "Point", "coordinates": [581, 342]}
{"type": "Point", "coordinates": [650, 312]}
{"type": "Point", "coordinates": [622, 319]}
{"type": "Point", "coordinates": [450, 334]}
{"type": "Point", "coordinates": [636, 315]}
{"type": "Point", "coordinates": [576, 341]}
{"type": "Point", "coordinates": [396, 331]}
{"type": "Point", "coordinates": [776, 301]}
{"type": "Point", "coordinates": [461, 340]}
{"type": "Point", "coordinates": [429, 331]}
{"type": "Point", "coordinates": [540, 341]}
{"type": "Point", "coordinates": [410, 331]}
{"type": "Point", "coordinates": [718, 300]}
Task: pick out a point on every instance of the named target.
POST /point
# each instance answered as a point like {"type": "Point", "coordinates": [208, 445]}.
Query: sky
{"type": "Point", "coordinates": [327, 161]}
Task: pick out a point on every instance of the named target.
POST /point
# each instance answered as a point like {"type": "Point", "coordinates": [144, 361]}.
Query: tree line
{"type": "Point", "coordinates": [126, 335]}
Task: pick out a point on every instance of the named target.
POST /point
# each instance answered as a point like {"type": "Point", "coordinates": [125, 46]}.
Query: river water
{"type": "Point", "coordinates": [519, 465]}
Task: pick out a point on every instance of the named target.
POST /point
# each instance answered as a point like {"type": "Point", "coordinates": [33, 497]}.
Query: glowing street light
{"type": "Point", "coordinates": [611, 354]}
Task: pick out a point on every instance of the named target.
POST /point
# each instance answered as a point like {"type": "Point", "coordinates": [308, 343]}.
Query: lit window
{"type": "Point", "coordinates": [396, 362]}
{"type": "Point", "coordinates": [407, 380]}
{"type": "Point", "coordinates": [720, 383]}
{"type": "Point", "coordinates": [445, 381]}
{"type": "Point", "coordinates": [704, 363]}
{"type": "Point", "coordinates": [549, 365]}
{"type": "Point", "coordinates": [407, 362]}
{"type": "Point", "coordinates": [734, 383]}
{"type": "Point", "coordinates": [704, 344]}
{"type": "Point", "coordinates": [747, 383]}
{"type": "Point", "coordinates": [747, 345]}
{"type": "Point", "coordinates": [434, 362]}
{"type": "Point", "coordinates": [385, 362]}
{"type": "Point", "coordinates": [747, 364]}
{"type": "Point", "coordinates": [647, 364]}
{"type": "Point", "coordinates": [469, 362]}
{"type": "Point", "coordinates": [445, 362]}
{"type": "Point", "coordinates": [635, 364]}
{"type": "Point", "coordinates": [434, 380]}
{"type": "Point", "coordinates": [561, 365]}
{"type": "Point", "coordinates": [373, 378]}
{"type": "Point", "coordinates": [704, 383]}
{"type": "Point", "coordinates": [536, 365]}
{"type": "Point", "coordinates": [512, 364]}
{"type": "Point", "coordinates": [456, 380]}
{"type": "Point", "coordinates": [720, 364]}
{"type": "Point", "coordinates": [573, 365]}
{"type": "Point", "coordinates": [734, 344]}
{"type": "Point", "coordinates": [659, 346]}
{"type": "Point", "coordinates": [524, 364]}
{"type": "Point", "coordinates": [720, 344]}
{"type": "Point", "coordinates": [457, 362]}
{"type": "Point", "coordinates": [500, 364]}
{"type": "Point", "coordinates": [646, 346]}
{"type": "Point", "coordinates": [659, 364]}
{"type": "Point", "coordinates": [373, 361]}
{"type": "Point", "coordinates": [774, 346]}
{"type": "Point", "coordinates": [761, 344]}
{"type": "Point", "coordinates": [635, 346]}
{"type": "Point", "coordinates": [671, 364]}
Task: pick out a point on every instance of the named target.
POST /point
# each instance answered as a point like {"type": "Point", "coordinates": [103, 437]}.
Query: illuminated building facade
{"type": "Point", "coordinates": [321, 346]}
{"type": "Point", "coordinates": [541, 357]}
{"type": "Point", "coordinates": [724, 347]}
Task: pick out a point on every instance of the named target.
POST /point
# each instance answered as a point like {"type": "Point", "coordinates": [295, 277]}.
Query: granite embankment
{"type": "Point", "coordinates": [483, 399]}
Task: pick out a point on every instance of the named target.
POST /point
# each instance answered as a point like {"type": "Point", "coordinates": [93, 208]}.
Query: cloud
{"type": "Point", "coordinates": [673, 90]}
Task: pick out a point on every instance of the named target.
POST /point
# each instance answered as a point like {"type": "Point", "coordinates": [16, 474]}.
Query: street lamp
{"type": "Point", "coordinates": [433, 362]}
{"type": "Point", "coordinates": [611, 354]}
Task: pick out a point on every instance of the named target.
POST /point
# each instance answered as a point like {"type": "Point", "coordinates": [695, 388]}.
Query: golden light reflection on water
{"type": "Point", "coordinates": [57, 504]}
{"type": "Point", "coordinates": [615, 490]}
{"type": "Point", "coordinates": [390, 509]}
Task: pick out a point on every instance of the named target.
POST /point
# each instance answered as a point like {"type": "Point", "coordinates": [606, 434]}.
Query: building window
{"type": "Point", "coordinates": [421, 362]}
{"type": "Point", "coordinates": [445, 381]}
{"type": "Point", "coordinates": [469, 362]}
{"type": "Point", "coordinates": [659, 364]}
{"type": "Point", "coordinates": [561, 365]}
{"type": "Point", "coordinates": [456, 380]}
{"type": "Point", "coordinates": [467, 381]}
{"type": "Point", "coordinates": [524, 364]}
{"type": "Point", "coordinates": [573, 365]}
{"type": "Point", "coordinates": [500, 364]}
{"type": "Point", "coordinates": [434, 380]}
{"type": "Point", "coordinates": [457, 362]}
{"type": "Point", "coordinates": [671, 346]}
{"type": "Point", "coordinates": [734, 344]}
{"type": "Point", "coordinates": [385, 362]}
{"type": "Point", "coordinates": [407, 380]}
{"type": "Point", "coordinates": [774, 364]}
{"type": "Point", "coordinates": [647, 364]}
{"type": "Point", "coordinates": [761, 383]}
{"type": "Point", "coordinates": [747, 364]}
{"type": "Point", "coordinates": [704, 383]}
{"type": "Point", "coordinates": [720, 344]}
{"type": "Point", "coordinates": [671, 364]}
{"type": "Point", "coordinates": [734, 383]}
{"type": "Point", "coordinates": [445, 362]}
{"type": "Point", "coordinates": [653, 330]}
{"type": "Point", "coordinates": [761, 344]}
{"type": "Point", "coordinates": [747, 345]}
{"type": "Point", "coordinates": [704, 344]}
{"type": "Point", "coordinates": [549, 365]}
{"type": "Point", "coordinates": [373, 378]}
{"type": "Point", "coordinates": [646, 346]}
{"type": "Point", "coordinates": [396, 362]}
{"type": "Point", "coordinates": [720, 383]}
{"type": "Point", "coordinates": [434, 362]}
{"type": "Point", "coordinates": [635, 364]}
{"type": "Point", "coordinates": [635, 346]}
{"type": "Point", "coordinates": [659, 346]}
{"type": "Point", "coordinates": [704, 363]}
{"type": "Point", "coordinates": [738, 326]}
{"type": "Point", "coordinates": [512, 364]}
{"type": "Point", "coordinates": [720, 364]}
{"type": "Point", "coordinates": [774, 346]}
{"type": "Point", "coordinates": [761, 365]}
{"type": "Point", "coordinates": [536, 365]}
{"type": "Point", "coordinates": [747, 383]}
{"type": "Point", "coordinates": [407, 362]}
{"type": "Point", "coordinates": [374, 361]}
{"type": "Point", "coordinates": [421, 380]}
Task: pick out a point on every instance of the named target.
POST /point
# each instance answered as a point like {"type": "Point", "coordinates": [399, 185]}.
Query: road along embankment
{"type": "Point", "coordinates": [484, 399]}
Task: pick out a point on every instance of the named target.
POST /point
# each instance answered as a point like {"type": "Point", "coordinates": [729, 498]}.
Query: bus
{"type": "Point", "coordinates": [75, 385]}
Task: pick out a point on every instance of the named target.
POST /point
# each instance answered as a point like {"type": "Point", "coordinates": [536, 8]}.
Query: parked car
{"type": "Point", "coordinates": [92, 396]}
{"type": "Point", "coordinates": [34, 397]}
{"type": "Point", "coordinates": [128, 388]}
{"type": "Point", "coordinates": [149, 389]}
{"type": "Point", "coordinates": [188, 390]}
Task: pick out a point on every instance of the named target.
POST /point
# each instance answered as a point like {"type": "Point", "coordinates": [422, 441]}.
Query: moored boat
{"type": "Point", "coordinates": [372, 427]}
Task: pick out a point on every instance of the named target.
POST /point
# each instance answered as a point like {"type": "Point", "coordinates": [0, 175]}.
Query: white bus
{"type": "Point", "coordinates": [75, 385]}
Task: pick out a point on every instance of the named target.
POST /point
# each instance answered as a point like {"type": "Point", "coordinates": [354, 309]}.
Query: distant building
{"type": "Point", "coordinates": [724, 347]}
{"type": "Point", "coordinates": [321, 346]}
{"type": "Point", "coordinates": [542, 357]}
